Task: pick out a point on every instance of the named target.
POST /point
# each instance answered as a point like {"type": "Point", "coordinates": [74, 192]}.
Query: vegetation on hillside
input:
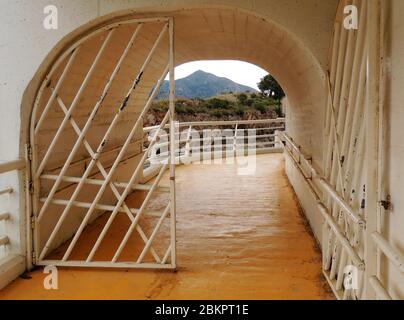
{"type": "Point", "coordinates": [230, 106]}
{"type": "Point", "coordinates": [227, 107]}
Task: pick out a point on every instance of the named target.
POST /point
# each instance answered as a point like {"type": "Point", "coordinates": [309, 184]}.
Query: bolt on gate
{"type": "Point", "coordinates": [87, 171]}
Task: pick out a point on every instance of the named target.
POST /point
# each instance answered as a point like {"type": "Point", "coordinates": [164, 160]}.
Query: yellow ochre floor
{"type": "Point", "coordinates": [239, 237]}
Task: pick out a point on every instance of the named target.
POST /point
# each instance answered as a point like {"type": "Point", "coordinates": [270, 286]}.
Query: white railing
{"type": "Point", "coordinates": [319, 186]}
{"type": "Point", "coordinates": [4, 214]}
{"type": "Point", "coordinates": [394, 256]}
{"type": "Point", "coordinates": [13, 260]}
{"type": "Point", "coordinates": [197, 140]}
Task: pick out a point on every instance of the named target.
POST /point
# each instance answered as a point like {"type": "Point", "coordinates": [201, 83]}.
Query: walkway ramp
{"type": "Point", "coordinates": [239, 237]}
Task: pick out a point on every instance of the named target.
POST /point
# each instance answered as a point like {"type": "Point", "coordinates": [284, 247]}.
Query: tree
{"type": "Point", "coordinates": [270, 87]}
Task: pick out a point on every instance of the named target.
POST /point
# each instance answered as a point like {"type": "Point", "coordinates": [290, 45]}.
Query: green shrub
{"type": "Point", "coordinates": [249, 102]}
{"type": "Point", "coordinates": [240, 111]}
{"type": "Point", "coordinates": [218, 104]}
{"type": "Point", "coordinates": [241, 98]}
{"type": "Point", "coordinates": [260, 106]}
{"type": "Point", "coordinates": [278, 111]}
{"type": "Point", "coordinates": [219, 113]}
{"type": "Point", "coordinates": [160, 106]}
{"type": "Point", "coordinates": [185, 109]}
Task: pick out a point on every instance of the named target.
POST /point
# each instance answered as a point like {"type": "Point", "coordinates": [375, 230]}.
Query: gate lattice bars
{"type": "Point", "coordinates": [345, 155]}
{"type": "Point", "coordinates": [351, 161]}
{"type": "Point", "coordinates": [42, 206]}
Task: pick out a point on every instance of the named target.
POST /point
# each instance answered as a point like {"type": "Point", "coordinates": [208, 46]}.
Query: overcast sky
{"type": "Point", "coordinates": [238, 71]}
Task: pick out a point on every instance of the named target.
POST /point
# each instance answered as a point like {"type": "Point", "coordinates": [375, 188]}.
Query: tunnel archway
{"type": "Point", "coordinates": [214, 33]}
{"type": "Point", "coordinates": [224, 33]}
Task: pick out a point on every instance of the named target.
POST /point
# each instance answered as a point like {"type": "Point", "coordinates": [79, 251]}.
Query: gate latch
{"type": "Point", "coordinates": [386, 204]}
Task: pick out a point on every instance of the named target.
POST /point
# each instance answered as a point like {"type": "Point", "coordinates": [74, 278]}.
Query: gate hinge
{"type": "Point", "coordinates": [31, 187]}
{"type": "Point", "coordinates": [33, 257]}
{"type": "Point", "coordinates": [32, 222]}
{"type": "Point", "coordinates": [29, 152]}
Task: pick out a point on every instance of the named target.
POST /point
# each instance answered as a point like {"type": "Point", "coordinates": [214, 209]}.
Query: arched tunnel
{"type": "Point", "coordinates": [77, 79]}
{"type": "Point", "coordinates": [82, 110]}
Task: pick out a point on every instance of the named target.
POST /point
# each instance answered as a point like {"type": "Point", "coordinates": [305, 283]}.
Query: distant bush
{"type": "Point", "coordinates": [278, 111]}
{"type": "Point", "coordinates": [260, 106]}
{"type": "Point", "coordinates": [242, 98]}
{"type": "Point", "coordinates": [219, 113]}
{"type": "Point", "coordinates": [185, 109]}
{"type": "Point", "coordinates": [218, 104]}
{"type": "Point", "coordinates": [160, 106]}
{"type": "Point", "coordinates": [249, 102]}
{"type": "Point", "coordinates": [240, 111]}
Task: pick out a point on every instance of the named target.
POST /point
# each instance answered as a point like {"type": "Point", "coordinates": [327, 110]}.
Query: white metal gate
{"type": "Point", "coordinates": [351, 160]}
{"type": "Point", "coordinates": [55, 231]}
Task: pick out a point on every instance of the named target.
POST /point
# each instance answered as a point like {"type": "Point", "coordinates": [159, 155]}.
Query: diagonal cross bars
{"type": "Point", "coordinates": [121, 205]}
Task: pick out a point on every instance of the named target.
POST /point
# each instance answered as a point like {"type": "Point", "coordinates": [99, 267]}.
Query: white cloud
{"type": "Point", "coordinates": [241, 72]}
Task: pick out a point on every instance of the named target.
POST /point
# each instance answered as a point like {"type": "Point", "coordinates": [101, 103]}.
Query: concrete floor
{"type": "Point", "coordinates": [239, 237]}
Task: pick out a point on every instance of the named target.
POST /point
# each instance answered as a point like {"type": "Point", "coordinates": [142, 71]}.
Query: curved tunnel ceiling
{"type": "Point", "coordinates": [221, 34]}
{"type": "Point", "coordinates": [202, 34]}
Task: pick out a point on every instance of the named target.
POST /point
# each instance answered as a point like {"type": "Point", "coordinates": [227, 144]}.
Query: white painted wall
{"type": "Point", "coordinates": [307, 200]}
{"type": "Point", "coordinates": [24, 43]}
{"type": "Point", "coordinates": [393, 220]}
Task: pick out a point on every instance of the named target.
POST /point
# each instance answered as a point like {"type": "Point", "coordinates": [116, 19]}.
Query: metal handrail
{"type": "Point", "coordinates": [394, 256]}
{"type": "Point", "coordinates": [235, 142]}
{"type": "Point", "coordinates": [379, 288]}
{"type": "Point", "coordinates": [391, 253]}
{"type": "Point", "coordinates": [323, 210]}
{"type": "Point", "coordinates": [12, 165]}
{"type": "Point", "coordinates": [6, 190]}
{"type": "Point", "coordinates": [6, 167]}
{"type": "Point", "coordinates": [220, 123]}
{"type": "Point", "coordinates": [325, 186]}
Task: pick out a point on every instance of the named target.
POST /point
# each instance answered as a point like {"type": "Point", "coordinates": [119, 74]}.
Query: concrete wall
{"type": "Point", "coordinates": [307, 200]}
{"type": "Point", "coordinates": [393, 175]}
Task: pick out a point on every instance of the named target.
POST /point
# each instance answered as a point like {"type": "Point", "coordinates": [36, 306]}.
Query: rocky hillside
{"type": "Point", "coordinates": [242, 106]}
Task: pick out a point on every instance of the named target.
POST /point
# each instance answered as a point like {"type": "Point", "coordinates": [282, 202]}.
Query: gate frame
{"type": "Point", "coordinates": [33, 184]}
{"type": "Point", "coordinates": [366, 70]}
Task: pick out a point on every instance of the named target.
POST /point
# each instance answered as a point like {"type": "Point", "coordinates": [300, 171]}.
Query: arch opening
{"type": "Point", "coordinates": [207, 34]}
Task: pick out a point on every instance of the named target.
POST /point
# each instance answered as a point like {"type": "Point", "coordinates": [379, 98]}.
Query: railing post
{"type": "Point", "coordinates": [4, 216]}
{"type": "Point", "coordinates": [372, 143]}
{"type": "Point", "coordinates": [173, 144]}
{"type": "Point", "coordinates": [12, 242]}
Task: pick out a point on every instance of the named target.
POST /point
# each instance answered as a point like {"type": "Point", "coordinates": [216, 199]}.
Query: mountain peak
{"type": "Point", "coordinates": [200, 72]}
{"type": "Point", "coordinates": [202, 84]}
